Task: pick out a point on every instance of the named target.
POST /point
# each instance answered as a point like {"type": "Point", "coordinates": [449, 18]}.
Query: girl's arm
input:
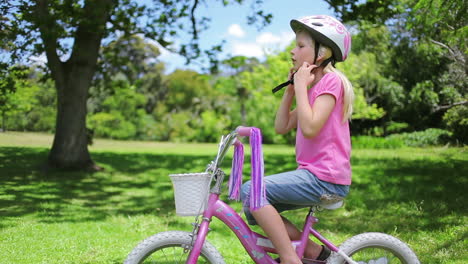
{"type": "Point", "coordinates": [285, 118]}
{"type": "Point", "coordinates": [311, 118]}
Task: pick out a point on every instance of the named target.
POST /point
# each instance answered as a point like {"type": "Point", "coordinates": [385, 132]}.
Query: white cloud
{"type": "Point", "coordinates": [268, 38]}
{"type": "Point", "coordinates": [236, 31]}
{"type": "Point", "coordinates": [265, 43]}
{"type": "Point", "coordinates": [287, 38]}
{"type": "Point", "coordinates": [247, 49]}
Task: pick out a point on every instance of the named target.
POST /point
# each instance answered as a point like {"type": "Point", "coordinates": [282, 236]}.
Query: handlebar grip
{"type": "Point", "coordinates": [243, 131]}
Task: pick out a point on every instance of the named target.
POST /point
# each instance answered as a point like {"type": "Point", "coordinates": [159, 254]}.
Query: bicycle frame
{"type": "Point", "coordinates": [256, 245]}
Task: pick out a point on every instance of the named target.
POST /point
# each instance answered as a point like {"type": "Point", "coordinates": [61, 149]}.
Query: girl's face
{"type": "Point", "coordinates": [304, 50]}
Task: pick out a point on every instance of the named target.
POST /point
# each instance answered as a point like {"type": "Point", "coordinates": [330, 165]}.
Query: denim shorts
{"type": "Point", "coordinates": [292, 190]}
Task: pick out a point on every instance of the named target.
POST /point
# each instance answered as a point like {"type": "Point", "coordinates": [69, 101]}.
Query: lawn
{"type": "Point", "coordinates": [416, 194]}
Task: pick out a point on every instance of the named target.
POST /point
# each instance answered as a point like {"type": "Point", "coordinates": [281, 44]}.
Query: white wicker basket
{"type": "Point", "coordinates": [190, 192]}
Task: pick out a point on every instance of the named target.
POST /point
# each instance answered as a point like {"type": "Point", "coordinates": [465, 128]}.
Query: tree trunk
{"type": "Point", "coordinates": [72, 80]}
{"type": "Point", "coordinates": [70, 146]}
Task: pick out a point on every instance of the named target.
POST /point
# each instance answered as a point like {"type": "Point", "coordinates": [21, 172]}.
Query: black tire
{"type": "Point", "coordinates": [375, 248]}
{"type": "Point", "coordinates": [169, 247]}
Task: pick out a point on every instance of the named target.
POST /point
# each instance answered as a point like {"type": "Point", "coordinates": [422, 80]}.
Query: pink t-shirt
{"type": "Point", "coordinates": [327, 155]}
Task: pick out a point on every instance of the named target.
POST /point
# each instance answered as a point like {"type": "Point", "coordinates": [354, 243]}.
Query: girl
{"type": "Point", "coordinates": [324, 99]}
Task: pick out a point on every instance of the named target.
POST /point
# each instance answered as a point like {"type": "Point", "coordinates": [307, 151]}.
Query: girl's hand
{"type": "Point", "coordinates": [304, 76]}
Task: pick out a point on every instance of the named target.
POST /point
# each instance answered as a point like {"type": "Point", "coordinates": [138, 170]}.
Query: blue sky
{"type": "Point", "coordinates": [230, 23]}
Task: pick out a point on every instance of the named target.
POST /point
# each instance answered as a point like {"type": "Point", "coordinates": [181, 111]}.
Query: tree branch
{"type": "Point", "coordinates": [47, 25]}
{"type": "Point", "coordinates": [452, 52]}
{"type": "Point", "coordinates": [193, 19]}
{"type": "Point", "coordinates": [445, 107]}
{"type": "Point", "coordinates": [91, 29]}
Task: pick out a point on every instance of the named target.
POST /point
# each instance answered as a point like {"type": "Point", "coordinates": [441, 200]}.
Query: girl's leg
{"type": "Point", "coordinates": [312, 250]}
{"type": "Point", "coordinates": [286, 191]}
{"type": "Point", "coordinates": [272, 224]}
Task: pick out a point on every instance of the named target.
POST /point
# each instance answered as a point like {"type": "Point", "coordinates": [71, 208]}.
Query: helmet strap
{"type": "Point", "coordinates": [325, 62]}
{"type": "Point", "coordinates": [317, 47]}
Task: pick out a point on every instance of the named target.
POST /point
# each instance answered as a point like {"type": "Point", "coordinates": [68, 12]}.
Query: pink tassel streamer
{"type": "Point", "coordinates": [257, 186]}
{"type": "Point", "coordinates": [235, 181]}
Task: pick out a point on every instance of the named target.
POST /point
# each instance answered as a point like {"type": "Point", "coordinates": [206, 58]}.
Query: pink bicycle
{"type": "Point", "coordinates": [192, 247]}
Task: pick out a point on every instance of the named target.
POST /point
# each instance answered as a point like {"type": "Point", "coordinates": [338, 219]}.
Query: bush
{"type": "Point", "coordinates": [456, 120]}
{"type": "Point", "coordinates": [111, 125]}
{"type": "Point", "coordinates": [428, 137]}
{"type": "Point", "coordinates": [211, 126]}
{"type": "Point", "coordinates": [395, 127]}
{"type": "Point", "coordinates": [376, 142]}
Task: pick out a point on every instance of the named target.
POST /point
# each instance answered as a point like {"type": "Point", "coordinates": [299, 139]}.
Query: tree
{"type": "Point", "coordinates": [131, 59]}
{"type": "Point", "coordinates": [234, 67]}
{"type": "Point", "coordinates": [70, 33]}
{"type": "Point", "coordinates": [10, 79]}
{"type": "Point", "coordinates": [32, 106]}
{"type": "Point", "coordinates": [190, 111]}
{"type": "Point", "coordinates": [122, 114]}
{"type": "Point", "coordinates": [426, 54]}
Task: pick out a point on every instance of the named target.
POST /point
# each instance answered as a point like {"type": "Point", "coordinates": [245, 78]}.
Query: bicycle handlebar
{"type": "Point", "coordinates": [227, 141]}
{"type": "Point", "coordinates": [243, 131]}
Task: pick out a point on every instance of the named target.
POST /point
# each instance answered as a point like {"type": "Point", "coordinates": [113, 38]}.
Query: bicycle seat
{"type": "Point", "coordinates": [331, 201]}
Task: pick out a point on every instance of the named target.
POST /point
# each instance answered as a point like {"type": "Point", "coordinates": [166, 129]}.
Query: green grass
{"type": "Point", "coordinates": [416, 194]}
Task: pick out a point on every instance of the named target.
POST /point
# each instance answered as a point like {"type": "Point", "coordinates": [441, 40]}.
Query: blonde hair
{"type": "Point", "coordinates": [348, 93]}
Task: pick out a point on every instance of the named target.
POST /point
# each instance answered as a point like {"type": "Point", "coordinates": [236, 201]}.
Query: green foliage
{"type": "Point", "coordinates": [131, 59]}
{"type": "Point", "coordinates": [33, 105]}
{"type": "Point", "coordinates": [187, 89]}
{"type": "Point", "coordinates": [122, 114]}
{"type": "Point", "coordinates": [178, 126]}
{"type": "Point", "coordinates": [111, 125]}
{"type": "Point", "coordinates": [261, 105]}
{"type": "Point", "coordinates": [11, 79]}
{"type": "Point", "coordinates": [428, 137]}
{"type": "Point", "coordinates": [70, 33]}
{"type": "Point", "coordinates": [374, 39]}
{"type": "Point", "coordinates": [421, 47]}
{"type": "Point", "coordinates": [406, 78]}
{"type": "Point", "coordinates": [456, 119]}
{"type": "Point", "coordinates": [362, 71]}
{"type": "Point", "coordinates": [370, 142]}
{"type": "Point", "coordinates": [212, 126]}
{"type": "Point", "coordinates": [395, 127]}
{"type": "Point", "coordinates": [131, 56]}
{"type": "Point", "coordinates": [441, 20]}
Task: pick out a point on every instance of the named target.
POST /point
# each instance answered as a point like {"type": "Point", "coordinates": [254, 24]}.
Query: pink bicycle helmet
{"type": "Point", "coordinates": [328, 31]}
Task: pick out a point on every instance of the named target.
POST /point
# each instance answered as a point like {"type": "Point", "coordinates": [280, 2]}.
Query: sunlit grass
{"type": "Point", "coordinates": [418, 195]}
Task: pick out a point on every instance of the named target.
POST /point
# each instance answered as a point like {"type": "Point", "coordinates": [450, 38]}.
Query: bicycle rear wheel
{"type": "Point", "coordinates": [375, 248]}
{"type": "Point", "coordinates": [170, 247]}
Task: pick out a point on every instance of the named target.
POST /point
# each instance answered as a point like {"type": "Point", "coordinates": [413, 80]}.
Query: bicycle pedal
{"type": "Point", "coordinates": [312, 261]}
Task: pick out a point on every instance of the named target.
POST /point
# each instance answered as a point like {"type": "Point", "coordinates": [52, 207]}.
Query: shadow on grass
{"type": "Point", "coordinates": [131, 184]}
{"type": "Point", "coordinates": [415, 195]}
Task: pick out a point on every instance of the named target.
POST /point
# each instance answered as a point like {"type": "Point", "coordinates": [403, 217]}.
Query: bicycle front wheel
{"type": "Point", "coordinates": [171, 247]}
{"type": "Point", "coordinates": [375, 248]}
